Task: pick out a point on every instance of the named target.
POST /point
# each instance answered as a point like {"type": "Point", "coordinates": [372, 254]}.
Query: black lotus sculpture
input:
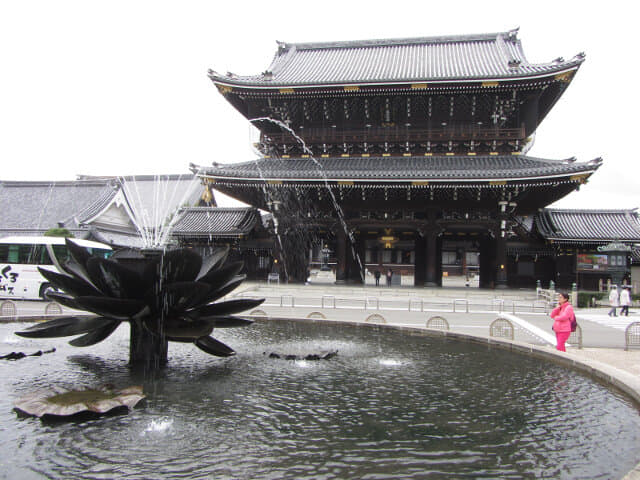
{"type": "Point", "coordinates": [164, 295]}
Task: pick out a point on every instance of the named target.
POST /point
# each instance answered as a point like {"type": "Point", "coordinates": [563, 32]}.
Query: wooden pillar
{"type": "Point", "coordinates": [341, 256]}
{"type": "Point", "coordinates": [501, 262]}
{"type": "Point", "coordinates": [431, 239]}
{"type": "Point", "coordinates": [420, 265]}
{"type": "Point", "coordinates": [355, 260]}
{"type": "Point", "coordinates": [501, 248]}
{"type": "Point", "coordinates": [487, 262]}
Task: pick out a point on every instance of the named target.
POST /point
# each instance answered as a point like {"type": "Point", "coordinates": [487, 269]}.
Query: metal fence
{"type": "Point", "coordinates": [409, 304]}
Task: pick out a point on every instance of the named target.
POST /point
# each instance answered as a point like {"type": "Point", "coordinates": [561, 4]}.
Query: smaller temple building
{"type": "Point", "coordinates": [244, 230]}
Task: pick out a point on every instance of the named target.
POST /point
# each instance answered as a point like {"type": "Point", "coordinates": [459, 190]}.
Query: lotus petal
{"type": "Point", "coordinates": [95, 336]}
{"type": "Point", "coordinates": [63, 299]}
{"type": "Point", "coordinates": [78, 253]}
{"type": "Point", "coordinates": [65, 327]}
{"type": "Point", "coordinates": [218, 278]}
{"type": "Point", "coordinates": [181, 295]}
{"type": "Point", "coordinates": [113, 279]}
{"type": "Point", "coordinates": [71, 285]}
{"type": "Point", "coordinates": [214, 347]}
{"type": "Point", "coordinates": [74, 269]}
{"type": "Point", "coordinates": [212, 294]}
{"type": "Point", "coordinates": [227, 288]}
{"type": "Point", "coordinates": [188, 329]}
{"type": "Point", "coordinates": [226, 308]}
{"type": "Point", "coordinates": [181, 265]}
{"type": "Point", "coordinates": [213, 261]}
{"type": "Point", "coordinates": [117, 308]}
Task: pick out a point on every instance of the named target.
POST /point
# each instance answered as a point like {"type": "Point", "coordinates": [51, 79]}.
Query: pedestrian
{"type": "Point", "coordinates": [389, 275]}
{"type": "Point", "coordinates": [563, 316]}
{"type": "Point", "coordinates": [377, 275]}
{"type": "Point", "coordinates": [625, 301]}
{"type": "Point", "coordinates": [614, 300]}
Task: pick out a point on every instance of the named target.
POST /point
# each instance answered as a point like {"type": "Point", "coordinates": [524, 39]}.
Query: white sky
{"type": "Point", "coordinates": [120, 87]}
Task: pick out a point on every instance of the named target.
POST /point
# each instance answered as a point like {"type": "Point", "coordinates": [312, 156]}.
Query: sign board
{"type": "Point", "coordinates": [592, 262]}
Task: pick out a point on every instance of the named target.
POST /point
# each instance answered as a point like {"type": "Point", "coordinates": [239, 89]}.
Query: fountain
{"type": "Point", "coordinates": [390, 405]}
{"type": "Point", "coordinates": [292, 209]}
{"type": "Point", "coordinates": [165, 295]}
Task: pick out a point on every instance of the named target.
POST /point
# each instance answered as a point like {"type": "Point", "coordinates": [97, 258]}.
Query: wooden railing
{"type": "Point", "coordinates": [397, 134]}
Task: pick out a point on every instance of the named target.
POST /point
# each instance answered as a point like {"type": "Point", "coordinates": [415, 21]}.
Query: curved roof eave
{"type": "Point", "coordinates": [249, 82]}
{"type": "Point", "coordinates": [584, 173]}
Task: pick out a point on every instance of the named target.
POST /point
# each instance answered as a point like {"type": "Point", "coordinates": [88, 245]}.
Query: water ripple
{"type": "Point", "coordinates": [388, 406]}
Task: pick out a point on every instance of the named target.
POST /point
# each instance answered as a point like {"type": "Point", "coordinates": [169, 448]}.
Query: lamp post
{"type": "Point", "coordinates": [617, 260]}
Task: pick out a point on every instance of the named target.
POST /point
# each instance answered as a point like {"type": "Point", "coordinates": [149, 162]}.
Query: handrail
{"type": "Point", "coordinates": [389, 134]}
{"type": "Point", "coordinates": [420, 302]}
{"type": "Point", "coordinates": [458, 300]}
{"type": "Point", "coordinates": [373, 301]}
{"type": "Point", "coordinates": [328, 297]}
{"type": "Point", "coordinates": [283, 297]}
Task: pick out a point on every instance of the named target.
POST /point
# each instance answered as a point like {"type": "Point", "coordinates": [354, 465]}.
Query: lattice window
{"type": "Point", "coordinates": [438, 323]}
{"type": "Point", "coordinates": [503, 328]}
{"type": "Point", "coordinates": [632, 335]}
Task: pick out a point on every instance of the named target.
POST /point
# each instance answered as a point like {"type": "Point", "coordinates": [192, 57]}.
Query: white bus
{"type": "Point", "coordinates": [20, 258]}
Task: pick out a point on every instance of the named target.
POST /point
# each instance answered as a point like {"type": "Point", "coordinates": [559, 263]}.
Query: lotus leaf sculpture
{"type": "Point", "coordinates": [61, 402]}
{"type": "Point", "coordinates": [164, 295]}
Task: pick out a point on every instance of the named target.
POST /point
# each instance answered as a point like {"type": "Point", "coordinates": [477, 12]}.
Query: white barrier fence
{"type": "Point", "coordinates": [409, 304]}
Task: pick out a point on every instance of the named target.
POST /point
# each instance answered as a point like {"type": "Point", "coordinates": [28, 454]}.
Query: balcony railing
{"type": "Point", "coordinates": [397, 134]}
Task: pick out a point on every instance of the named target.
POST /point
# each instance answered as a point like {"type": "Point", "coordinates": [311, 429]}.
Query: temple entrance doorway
{"type": "Point", "coordinates": [460, 261]}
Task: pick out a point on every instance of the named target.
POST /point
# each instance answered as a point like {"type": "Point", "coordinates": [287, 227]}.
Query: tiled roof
{"type": "Point", "coordinates": [38, 206]}
{"type": "Point", "coordinates": [216, 221]}
{"type": "Point", "coordinates": [446, 58]}
{"type": "Point", "coordinates": [463, 168]}
{"type": "Point", "coordinates": [117, 239]}
{"type": "Point", "coordinates": [589, 225]}
{"type": "Point", "coordinates": [153, 198]}
{"type": "Point", "coordinates": [33, 207]}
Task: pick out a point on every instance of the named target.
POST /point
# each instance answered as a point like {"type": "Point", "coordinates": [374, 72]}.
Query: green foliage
{"type": "Point", "coordinates": [58, 232]}
{"type": "Point", "coordinates": [585, 298]}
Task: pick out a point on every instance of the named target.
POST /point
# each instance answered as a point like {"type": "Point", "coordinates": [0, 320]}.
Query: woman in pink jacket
{"type": "Point", "coordinates": [562, 316]}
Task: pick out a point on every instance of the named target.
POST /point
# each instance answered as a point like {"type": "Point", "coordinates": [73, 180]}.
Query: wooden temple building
{"type": "Point", "coordinates": [410, 155]}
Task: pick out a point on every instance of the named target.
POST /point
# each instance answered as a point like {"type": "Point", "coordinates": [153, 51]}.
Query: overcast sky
{"type": "Point", "coordinates": [121, 87]}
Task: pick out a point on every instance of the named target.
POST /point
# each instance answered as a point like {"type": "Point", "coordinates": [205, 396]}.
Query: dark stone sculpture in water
{"type": "Point", "coordinates": [164, 295]}
{"type": "Point", "coordinates": [321, 355]}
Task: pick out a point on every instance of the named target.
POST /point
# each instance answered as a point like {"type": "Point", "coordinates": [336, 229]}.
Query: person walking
{"type": "Point", "coordinates": [377, 275]}
{"type": "Point", "coordinates": [614, 300]}
{"type": "Point", "coordinates": [625, 301]}
{"type": "Point", "coordinates": [563, 316]}
{"type": "Point", "coordinates": [389, 276]}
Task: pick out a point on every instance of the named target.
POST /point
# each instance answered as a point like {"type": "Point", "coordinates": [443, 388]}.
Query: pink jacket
{"type": "Point", "coordinates": [562, 316]}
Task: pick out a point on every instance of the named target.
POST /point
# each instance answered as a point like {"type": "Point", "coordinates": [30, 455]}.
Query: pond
{"type": "Point", "coordinates": [389, 405]}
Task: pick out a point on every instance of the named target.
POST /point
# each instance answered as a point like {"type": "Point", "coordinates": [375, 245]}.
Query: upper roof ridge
{"type": "Point", "coordinates": [510, 35]}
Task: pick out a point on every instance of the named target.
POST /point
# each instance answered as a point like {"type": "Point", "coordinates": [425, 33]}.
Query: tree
{"type": "Point", "coordinates": [58, 232]}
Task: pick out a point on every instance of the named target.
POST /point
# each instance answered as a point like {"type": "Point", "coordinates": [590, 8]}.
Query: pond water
{"type": "Point", "coordinates": [389, 405]}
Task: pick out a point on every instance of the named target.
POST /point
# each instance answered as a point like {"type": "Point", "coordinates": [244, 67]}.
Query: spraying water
{"type": "Point", "coordinates": [336, 205]}
{"type": "Point", "coordinates": [154, 205]}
